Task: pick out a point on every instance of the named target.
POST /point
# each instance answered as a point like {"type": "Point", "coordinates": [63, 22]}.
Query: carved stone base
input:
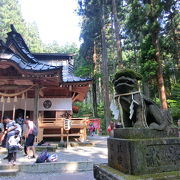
{"type": "Point", "coordinates": [104, 172]}
{"type": "Point", "coordinates": [144, 151]}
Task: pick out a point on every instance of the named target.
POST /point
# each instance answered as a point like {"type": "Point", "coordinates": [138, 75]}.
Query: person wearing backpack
{"type": "Point", "coordinates": [43, 156]}
{"type": "Point", "coordinates": [30, 136]}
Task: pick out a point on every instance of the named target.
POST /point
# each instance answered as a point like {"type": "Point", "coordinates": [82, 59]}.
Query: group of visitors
{"type": "Point", "coordinates": [91, 129]}
{"type": "Point", "coordinates": [15, 133]}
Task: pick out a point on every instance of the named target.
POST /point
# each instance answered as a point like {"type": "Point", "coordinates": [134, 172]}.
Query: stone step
{"type": "Point", "coordinates": [56, 167]}
{"type": "Point", "coordinates": [51, 148]}
{"type": "Point", "coordinates": [50, 167]}
{"type": "Point", "coordinates": [76, 144]}
{"type": "Point", "coordinates": [3, 150]}
{"type": "Point", "coordinates": [8, 167]}
{"type": "Point", "coordinates": [9, 172]}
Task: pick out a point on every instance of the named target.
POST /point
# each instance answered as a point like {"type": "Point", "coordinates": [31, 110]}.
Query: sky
{"type": "Point", "coordinates": [56, 19]}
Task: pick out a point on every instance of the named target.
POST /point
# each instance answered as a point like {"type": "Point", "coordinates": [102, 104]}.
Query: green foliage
{"type": "Point", "coordinates": [86, 109]}
{"type": "Point", "coordinates": [66, 49]}
{"type": "Point", "coordinates": [83, 109]}
{"type": "Point", "coordinates": [142, 24]}
{"type": "Point", "coordinates": [174, 102]}
{"type": "Point", "coordinates": [10, 13]}
{"type": "Point", "coordinates": [83, 71]}
{"type": "Point", "coordinates": [101, 116]}
{"type": "Point", "coordinates": [148, 69]}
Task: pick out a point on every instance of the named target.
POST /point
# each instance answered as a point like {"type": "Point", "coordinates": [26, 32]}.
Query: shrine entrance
{"type": "Point", "coordinates": [41, 86]}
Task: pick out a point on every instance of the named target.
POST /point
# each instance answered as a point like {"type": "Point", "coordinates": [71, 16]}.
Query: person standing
{"type": "Point", "coordinates": [110, 129]}
{"type": "Point", "coordinates": [91, 129]}
{"type": "Point", "coordinates": [10, 130]}
{"type": "Point", "coordinates": [20, 121]}
{"type": "Point", "coordinates": [13, 147]}
{"type": "Point", "coordinates": [30, 136]}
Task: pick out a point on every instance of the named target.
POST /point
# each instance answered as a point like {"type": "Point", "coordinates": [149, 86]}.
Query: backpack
{"type": "Point", "coordinates": [35, 130]}
{"type": "Point", "coordinates": [52, 158]}
{"type": "Point", "coordinates": [42, 157]}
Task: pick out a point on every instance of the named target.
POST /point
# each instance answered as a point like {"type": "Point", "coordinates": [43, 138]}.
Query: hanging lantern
{"type": "Point", "coordinates": [2, 99]}
{"type": "Point", "coordinates": [8, 100]}
{"type": "Point", "coordinates": [15, 98]}
{"type": "Point", "coordinates": [23, 96]}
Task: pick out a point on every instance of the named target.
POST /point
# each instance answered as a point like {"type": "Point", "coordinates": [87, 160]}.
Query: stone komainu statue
{"type": "Point", "coordinates": [136, 110]}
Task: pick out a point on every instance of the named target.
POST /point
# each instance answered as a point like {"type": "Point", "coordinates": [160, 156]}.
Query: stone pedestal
{"type": "Point", "coordinates": [144, 151]}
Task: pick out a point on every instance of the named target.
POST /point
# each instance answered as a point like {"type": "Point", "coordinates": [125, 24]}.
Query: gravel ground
{"type": "Point", "coordinates": [96, 154]}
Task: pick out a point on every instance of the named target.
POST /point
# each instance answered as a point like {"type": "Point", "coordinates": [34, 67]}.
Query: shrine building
{"type": "Point", "coordinates": [42, 87]}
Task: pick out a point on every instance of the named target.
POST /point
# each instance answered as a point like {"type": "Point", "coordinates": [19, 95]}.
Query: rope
{"type": "Point", "coordinates": [13, 95]}
{"type": "Point", "coordinates": [131, 107]}
{"type": "Point", "coordinates": [143, 114]}
{"type": "Point", "coordinates": [16, 94]}
{"type": "Point", "coordinates": [121, 112]}
{"type": "Point", "coordinates": [126, 94]}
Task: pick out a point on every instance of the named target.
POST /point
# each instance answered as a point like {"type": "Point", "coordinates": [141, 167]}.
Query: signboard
{"type": "Point", "coordinates": [67, 124]}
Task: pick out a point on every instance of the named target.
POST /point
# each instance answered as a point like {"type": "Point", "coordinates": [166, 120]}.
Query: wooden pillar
{"type": "Point", "coordinates": [62, 133]}
{"type": "Point", "coordinates": [36, 105]}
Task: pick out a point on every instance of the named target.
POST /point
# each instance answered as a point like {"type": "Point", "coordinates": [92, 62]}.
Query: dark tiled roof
{"type": "Point", "coordinates": [22, 57]}
{"type": "Point", "coordinates": [34, 67]}
{"type": "Point", "coordinates": [69, 77]}
{"type": "Point", "coordinates": [15, 39]}
{"type": "Point", "coordinates": [52, 56]}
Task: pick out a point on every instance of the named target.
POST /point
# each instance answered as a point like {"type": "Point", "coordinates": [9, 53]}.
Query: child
{"type": "Point", "coordinates": [110, 129]}
{"type": "Point", "coordinates": [91, 129]}
{"type": "Point", "coordinates": [13, 147]}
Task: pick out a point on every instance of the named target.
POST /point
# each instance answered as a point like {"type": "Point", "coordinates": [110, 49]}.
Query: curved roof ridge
{"type": "Point", "coordinates": [17, 40]}
{"type": "Point", "coordinates": [69, 77]}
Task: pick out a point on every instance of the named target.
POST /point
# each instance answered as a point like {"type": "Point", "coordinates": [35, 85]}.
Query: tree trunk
{"type": "Point", "coordinates": [117, 34]}
{"type": "Point", "coordinates": [94, 82]}
{"type": "Point", "coordinates": [115, 57]}
{"type": "Point", "coordinates": [159, 73]}
{"type": "Point", "coordinates": [175, 38]}
{"type": "Point", "coordinates": [105, 77]}
{"type": "Point", "coordinates": [94, 98]}
{"type": "Point", "coordinates": [155, 42]}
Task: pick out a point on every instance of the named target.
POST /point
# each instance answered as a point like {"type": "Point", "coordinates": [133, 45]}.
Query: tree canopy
{"type": "Point", "coordinates": [140, 35]}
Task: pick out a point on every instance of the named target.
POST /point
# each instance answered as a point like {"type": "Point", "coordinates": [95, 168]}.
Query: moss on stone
{"type": "Point", "coordinates": [173, 175]}
{"type": "Point", "coordinates": [128, 73]}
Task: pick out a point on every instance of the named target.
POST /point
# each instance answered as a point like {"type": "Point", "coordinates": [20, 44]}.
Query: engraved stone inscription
{"type": "Point", "coordinates": [162, 155]}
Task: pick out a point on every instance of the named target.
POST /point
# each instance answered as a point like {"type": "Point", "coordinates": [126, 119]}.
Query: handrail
{"type": "Point", "coordinates": [60, 121]}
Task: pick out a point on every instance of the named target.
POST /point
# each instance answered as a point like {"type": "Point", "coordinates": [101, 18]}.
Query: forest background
{"type": "Point", "coordinates": [141, 35]}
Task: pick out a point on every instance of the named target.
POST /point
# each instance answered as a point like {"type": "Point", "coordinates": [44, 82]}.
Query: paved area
{"type": "Point", "coordinates": [88, 175]}
{"type": "Point", "coordinates": [96, 154]}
